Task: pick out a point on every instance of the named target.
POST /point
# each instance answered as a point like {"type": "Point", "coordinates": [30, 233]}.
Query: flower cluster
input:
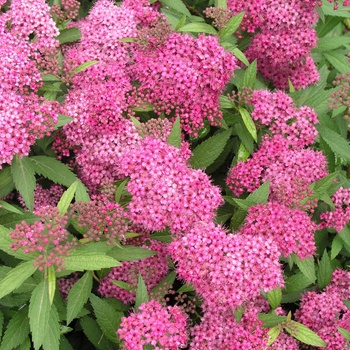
{"type": "Point", "coordinates": [47, 237]}
{"type": "Point", "coordinates": [152, 269]}
{"type": "Point", "coordinates": [164, 328]}
{"type": "Point", "coordinates": [66, 283]}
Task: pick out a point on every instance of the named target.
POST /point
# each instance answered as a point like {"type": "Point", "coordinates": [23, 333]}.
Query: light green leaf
{"type": "Point", "coordinates": [83, 66]}
{"type": "Point", "coordinates": [51, 281]}
{"type": "Point", "coordinates": [69, 35]}
{"type": "Point", "coordinates": [241, 56]}
{"type": "Point", "coordinates": [78, 296]}
{"type": "Point", "coordinates": [273, 333]}
{"type": "Point", "coordinates": [274, 297]}
{"type": "Point", "coordinates": [124, 285]}
{"type": "Point", "coordinates": [52, 338]}
{"type": "Point", "coordinates": [24, 179]}
{"type": "Point", "coordinates": [67, 198]}
{"type": "Point", "coordinates": [324, 273]}
{"type": "Point", "coordinates": [39, 313]}
{"type": "Point", "coordinates": [53, 169]}
{"type": "Point", "coordinates": [327, 44]}
{"type": "Point", "coordinates": [338, 60]}
{"type": "Point", "coordinates": [130, 253]}
{"type": "Point", "coordinates": [177, 5]}
{"type": "Point", "coordinates": [248, 122]}
{"type": "Point", "coordinates": [307, 267]}
{"type": "Point", "coordinates": [242, 153]}
{"type": "Point", "coordinates": [141, 293]}
{"type": "Point", "coordinates": [221, 4]}
{"type": "Point", "coordinates": [231, 26]}
{"type": "Point", "coordinates": [16, 277]}
{"type": "Point", "coordinates": [337, 245]}
{"type": "Point", "coordinates": [344, 333]}
{"type": "Point", "coordinates": [271, 319]}
{"type": "Point", "coordinates": [120, 189]}
{"type": "Point", "coordinates": [17, 330]}
{"type": "Point", "coordinates": [62, 120]}
{"type": "Point", "coordinates": [107, 318]}
{"type": "Point", "coordinates": [81, 194]}
{"type": "Point", "coordinates": [249, 76]}
{"type": "Point", "coordinates": [304, 334]}
{"type": "Point", "coordinates": [198, 28]}
{"type": "Point", "coordinates": [174, 138]}
{"type": "Point", "coordinates": [210, 149]}
{"type": "Point", "coordinates": [10, 207]}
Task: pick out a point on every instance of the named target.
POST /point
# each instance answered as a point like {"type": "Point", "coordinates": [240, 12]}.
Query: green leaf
{"type": "Point", "coordinates": [51, 280]}
{"type": "Point", "coordinates": [225, 102]}
{"type": "Point", "coordinates": [162, 287]}
{"type": "Point", "coordinates": [78, 296]}
{"type": "Point", "coordinates": [6, 181]}
{"type": "Point", "coordinates": [307, 267]}
{"type": "Point", "coordinates": [10, 207]}
{"type": "Point", "coordinates": [174, 138]}
{"type": "Point", "coordinates": [39, 313]}
{"type": "Point", "coordinates": [198, 28]}
{"type": "Point", "coordinates": [338, 145]}
{"type": "Point", "coordinates": [337, 245]}
{"type": "Point", "coordinates": [120, 189]}
{"type": "Point", "coordinates": [181, 23]}
{"type": "Point", "coordinates": [135, 121]}
{"type": "Point", "coordinates": [344, 234]}
{"type": "Point", "coordinates": [124, 285]}
{"type": "Point", "coordinates": [162, 236]}
{"type": "Point", "coordinates": [54, 170]}
{"type": "Point", "coordinates": [24, 179]}
{"type": "Point", "coordinates": [221, 4]}
{"type": "Point", "coordinates": [249, 76]}
{"type": "Point", "coordinates": [16, 277]}
{"type": "Point", "coordinates": [210, 149]}
{"type": "Point", "coordinates": [240, 55]}
{"type": "Point", "coordinates": [26, 345]}
{"type": "Point", "coordinates": [141, 293]}
{"type": "Point", "coordinates": [274, 297]}
{"type": "Point", "coordinates": [107, 318]}
{"type": "Point", "coordinates": [130, 253]}
{"type": "Point", "coordinates": [271, 319]}
{"type": "Point", "coordinates": [81, 194]}
{"type": "Point", "coordinates": [338, 60]}
{"type": "Point", "coordinates": [52, 337]}
{"type": "Point", "coordinates": [62, 120]}
{"type": "Point", "coordinates": [248, 122]}
{"type": "Point", "coordinates": [69, 35]}
{"type": "Point", "coordinates": [17, 330]}
{"type": "Point", "coordinates": [324, 273]}
{"type": "Point", "coordinates": [83, 66]}
{"type": "Point", "coordinates": [344, 333]}
{"type": "Point", "coordinates": [347, 304]}
{"type": "Point", "coordinates": [178, 6]}
{"type": "Point", "coordinates": [304, 334]}
{"type": "Point", "coordinates": [327, 44]}
{"type": "Point", "coordinates": [12, 219]}
{"type": "Point", "coordinates": [67, 198]}
{"type": "Point", "coordinates": [296, 283]}
{"type": "Point", "coordinates": [186, 288]}
{"type": "Point", "coordinates": [273, 333]}
{"type": "Point", "coordinates": [231, 26]}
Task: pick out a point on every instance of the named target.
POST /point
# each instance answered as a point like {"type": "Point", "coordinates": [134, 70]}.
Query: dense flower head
{"type": "Point", "coordinates": [69, 10]}
{"type": "Point", "coordinates": [46, 237]}
{"type": "Point", "coordinates": [291, 229]}
{"type": "Point", "coordinates": [184, 77]}
{"type": "Point", "coordinates": [100, 220]}
{"type": "Point", "coordinates": [226, 270]}
{"type": "Point", "coordinates": [341, 97]}
{"type": "Point", "coordinates": [340, 216]}
{"type": "Point", "coordinates": [165, 191]}
{"type": "Point", "coordinates": [152, 269]}
{"type": "Point", "coordinates": [163, 327]}
{"type": "Point", "coordinates": [66, 283]}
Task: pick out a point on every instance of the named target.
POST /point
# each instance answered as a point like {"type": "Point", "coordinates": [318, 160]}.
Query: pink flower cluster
{"type": "Point", "coordinates": [152, 269]}
{"type": "Point", "coordinates": [66, 283]}
{"type": "Point", "coordinates": [48, 238]}
{"type": "Point", "coordinates": [226, 269]}
{"type": "Point", "coordinates": [165, 191]}
{"type": "Point", "coordinates": [164, 328]}
{"type": "Point", "coordinates": [184, 77]}
{"type": "Point", "coordinates": [284, 39]}
{"type": "Point", "coordinates": [324, 312]}
{"type": "Point", "coordinates": [339, 217]}
{"type": "Point", "coordinates": [291, 229]}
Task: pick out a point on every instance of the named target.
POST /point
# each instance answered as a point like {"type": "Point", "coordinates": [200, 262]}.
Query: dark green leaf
{"type": "Point", "coordinates": [6, 181]}
{"type": "Point", "coordinates": [271, 319]}
{"type": "Point", "coordinates": [307, 267]}
{"type": "Point", "coordinates": [161, 236]}
{"type": "Point", "coordinates": [248, 122]}
{"type": "Point", "coordinates": [120, 189]}
{"type": "Point", "coordinates": [12, 219]}
{"type": "Point", "coordinates": [177, 5]}
{"type": "Point", "coordinates": [296, 283]}
{"type": "Point", "coordinates": [324, 273]}
{"type": "Point", "coordinates": [163, 286]}
{"type": "Point", "coordinates": [344, 234]}
{"type": "Point", "coordinates": [141, 293]}
{"type": "Point", "coordinates": [52, 337]}
{"type": "Point", "coordinates": [274, 297]}
{"type": "Point", "coordinates": [24, 179]}
{"type": "Point", "coordinates": [130, 253]}
{"type": "Point", "coordinates": [337, 245]}
{"type": "Point", "coordinates": [69, 35]}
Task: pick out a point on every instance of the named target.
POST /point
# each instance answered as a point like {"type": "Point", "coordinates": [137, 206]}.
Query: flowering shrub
{"type": "Point", "coordinates": [174, 174]}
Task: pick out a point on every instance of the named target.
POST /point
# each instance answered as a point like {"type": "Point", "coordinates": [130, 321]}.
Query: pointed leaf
{"type": "Point", "coordinates": [39, 313]}
{"type": "Point", "coordinates": [16, 277]}
{"type": "Point", "coordinates": [51, 281]}
{"type": "Point", "coordinates": [120, 189]}
{"type": "Point", "coordinates": [177, 5]}
{"type": "Point", "coordinates": [249, 123]}
{"type": "Point", "coordinates": [78, 296]}
{"type": "Point", "coordinates": [130, 253]}
{"type": "Point", "coordinates": [345, 333]}
{"type": "Point", "coordinates": [271, 319]}
{"type": "Point", "coordinates": [52, 338]}
{"type": "Point", "coordinates": [10, 207]}
{"type": "Point", "coordinates": [273, 333]}
{"type": "Point", "coordinates": [210, 149]}
{"type": "Point", "coordinates": [124, 285]}
{"type": "Point", "coordinates": [81, 194]}
{"type": "Point", "coordinates": [274, 297]}
{"type": "Point", "coordinates": [337, 245]}
{"type": "Point", "coordinates": [83, 66]}
{"type": "Point", "coordinates": [69, 35]}
{"type": "Point", "coordinates": [141, 293]}
{"type": "Point", "coordinates": [198, 28]}
{"type": "Point", "coordinates": [231, 26]}
{"type": "Point", "coordinates": [164, 284]}
{"type": "Point", "coordinates": [24, 179]}
{"type": "Point", "coordinates": [240, 55]}
{"type": "Point", "coordinates": [6, 181]}
{"type": "Point", "coordinates": [324, 273]}
{"type": "Point", "coordinates": [249, 77]}
{"type": "Point", "coordinates": [307, 267]}
{"type": "Point", "coordinates": [174, 138]}
{"type": "Point", "coordinates": [67, 198]}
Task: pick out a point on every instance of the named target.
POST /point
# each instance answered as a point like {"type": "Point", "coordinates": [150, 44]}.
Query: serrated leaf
{"type": "Point", "coordinates": [345, 333]}
{"type": "Point", "coordinates": [296, 283]}
{"type": "Point", "coordinates": [16, 277]}
{"type": "Point", "coordinates": [39, 313]}
{"type": "Point", "coordinates": [53, 169]}
{"type": "Point", "coordinates": [324, 273]}
{"type": "Point", "coordinates": [198, 28]}
{"type": "Point", "coordinates": [325, 44]}
{"type": "Point", "coordinates": [123, 285]}
{"type": "Point", "coordinates": [83, 66]}
{"type": "Point", "coordinates": [67, 197]}
{"type": "Point", "coordinates": [52, 337]}
{"type": "Point", "coordinates": [6, 181]}
{"type": "Point", "coordinates": [304, 334]}
{"type": "Point", "coordinates": [69, 35]}
{"type": "Point", "coordinates": [62, 120]}
{"type": "Point", "coordinates": [177, 5]}
{"type": "Point", "coordinates": [107, 318]}
{"type": "Point", "coordinates": [231, 26]}
{"type": "Point", "coordinates": [240, 55]}
{"type": "Point", "coordinates": [225, 102]}
{"type": "Point", "coordinates": [174, 138]}
{"type": "Point", "coordinates": [78, 296]}
{"type": "Point", "coordinates": [81, 194]}
{"type": "Point", "coordinates": [51, 281]}
{"type": "Point", "coordinates": [344, 234]}
{"type": "Point", "coordinates": [338, 145]}
{"type": "Point", "coordinates": [163, 286]}
{"type": "Point", "coordinates": [26, 345]}
{"type": "Point", "coordinates": [24, 179]}
{"type": "Point", "coordinates": [337, 245]}
{"type": "Point", "coordinates": [10, 207]}
{"type": "Point", "coordinates": [249, 76]}
{"type": "Point", "coordinates": [130, 253]}
{"type": "Point", "coordinates": [161, 236]}
{"type": "Point", "coordinates": [141, 293]}
{"type": "Point", "coordinates": [274, 297]}
{"type": "Point", "coordinates": [307, 267]}
{"type": "Point", "coordinates": [271, 319]}
{"type": "Point", "coordinates": [12, 219]}
{"type": "Point", "coordinates": [210, 149]}
{"type": "Point", "coordinates": [248, 122]}
{"type": "Point", "coordinates": [338, 60]}
{"type": "Point", "coordinates": [273, 334]}
{"type": "Point", "coordinates": [17, 330]}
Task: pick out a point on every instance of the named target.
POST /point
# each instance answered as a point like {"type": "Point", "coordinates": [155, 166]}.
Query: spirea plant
{"type": "Point", "coordinates": [174, 174]}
